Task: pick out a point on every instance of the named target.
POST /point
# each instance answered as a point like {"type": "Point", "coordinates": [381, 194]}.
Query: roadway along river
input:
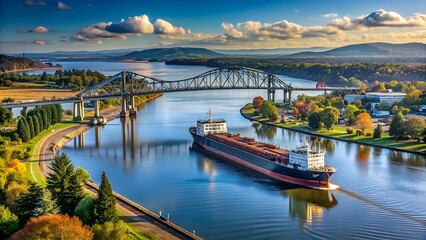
{"type": "Point", "coordinates": [149, 160]}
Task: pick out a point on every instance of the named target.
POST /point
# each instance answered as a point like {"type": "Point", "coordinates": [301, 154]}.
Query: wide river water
{"type": "Point", "coordinates": [149, 160]}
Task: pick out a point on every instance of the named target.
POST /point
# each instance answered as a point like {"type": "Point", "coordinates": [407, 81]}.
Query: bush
{"type": "Point", "coordinates": [369, 134]}
{"type": "Point", "coordinates": [349, 130]}
{"type": "Point", "coordinates": [378, 131]}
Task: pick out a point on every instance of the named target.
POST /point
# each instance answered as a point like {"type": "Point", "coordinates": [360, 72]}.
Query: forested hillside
{"type": "Point", "coordinates": [8, 63]}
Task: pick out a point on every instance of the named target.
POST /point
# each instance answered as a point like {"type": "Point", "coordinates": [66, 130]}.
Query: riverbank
{"type": "Point", "coordinates": [339, 133]}
{"type": "Point", "coordinates": [32, 69]}
{"type": "Point", "coordinates": [144, 222]}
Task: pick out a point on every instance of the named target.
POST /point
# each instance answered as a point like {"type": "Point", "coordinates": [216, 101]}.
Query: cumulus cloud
{"type": "Point", "coordinates": [163, 27]}
{"type": "Point", "coordinates": [39, 29]}
{"type": "Point", "coordinates": [231, 31]}
{"type": "Point", "coordinates": [37, 3]}
{"type": "Point", "coordinates": [63, 6]}
{"type": "Point", "coordinates": [198, 38]}
{"type": "Point", "coordinates": [96, 33]}
{"type": "Point", "coordinates": [330, 15]}
{"type": "Point", "coordinates": [379, 18]}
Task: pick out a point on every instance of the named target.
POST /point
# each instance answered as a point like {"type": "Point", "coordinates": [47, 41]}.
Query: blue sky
{"type": "Point", "coordinates": [52, 25]}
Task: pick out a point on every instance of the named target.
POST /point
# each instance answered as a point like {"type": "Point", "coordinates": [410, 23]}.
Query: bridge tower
{"type": "Point", "coordinates": [124, 113]}
{"type": "Point", "coordinates": [271, 91]}
{"type": "Point", "coordinates": [78, 111]}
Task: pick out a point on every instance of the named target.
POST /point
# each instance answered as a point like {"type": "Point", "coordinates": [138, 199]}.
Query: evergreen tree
{"type": "Point", "coordinates": [45, 204]}
{"type": "Point", "coordinates": [36, 124]}
{"type": "Point", "coordinates": [378, 131]}
{"type": "Point", "coordinates": [27, 203]}
{"type": "Point", "coordinates": [44, 118]}
{"type": "Point", "coordinates": [40, 120]}
{"type": "Point", "coordinates": [396, 128]}
{"type": "Point", "coordinates": [104, 207]}
{"type": "Point", "coordinates": [54, 114]}
{"type": "Point", "coordinates": [8, 222]}
{"type": "Point", "coordinates": [22, 131]}
{"type": "Point", "coordinates": [63, 183]}
{"type": "Point", "coordinates": [84, 209]}
{"type": "Point", "coordinates": [31, 127]}
{"type": "Point", "coordinates": [59, 112]}
{"type": "Point", "coordinates": [27, 127]}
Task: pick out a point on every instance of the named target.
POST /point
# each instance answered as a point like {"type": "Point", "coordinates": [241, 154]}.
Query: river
{"type": "Point", "coordinates": [149, 160]}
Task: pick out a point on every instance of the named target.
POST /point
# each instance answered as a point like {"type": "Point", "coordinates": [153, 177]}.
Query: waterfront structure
{"type": "Point", "coordinates": [351, 98]}
{"type": "Point", "coordinates": [303, 165]}
{"type": "Point", "coordinates": [388, 97]}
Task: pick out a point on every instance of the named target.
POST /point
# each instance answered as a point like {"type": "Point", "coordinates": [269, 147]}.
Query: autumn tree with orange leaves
{"type": "Point", "coordinates": [257, 102]}
{"type": "Point", "coordinates": [363, 122]}
{"type": "Point", "coordinates": [54, 227]}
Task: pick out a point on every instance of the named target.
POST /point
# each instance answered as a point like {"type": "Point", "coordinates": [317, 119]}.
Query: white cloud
{"type": "Point", "coordinates": [39, 29]}
{"type": "Point", "coordinates": [39, 42]}
{"type": "Point", "coordinates": [197, 38]}
{"type": "Point", "coordinates": [231, 31]}
{"type": "Point", "coordinates": [63, 6]}
{"type": "Point", "coordinates": [163, 27]}
{"type": "Point", "coordinates": [32, 3]}
{"type": "Point", "coordinates": [96, 33]}
{"type": "Point", "coordinates": [330, 15]}
{"type": "Point", "coordinates": [379, 18]}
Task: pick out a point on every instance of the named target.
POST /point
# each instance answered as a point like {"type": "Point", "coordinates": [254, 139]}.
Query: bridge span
{"type": "Point", "coordinates": [126, 85]}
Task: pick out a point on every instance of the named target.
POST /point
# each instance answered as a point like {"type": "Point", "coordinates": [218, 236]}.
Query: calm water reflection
{"type": "Point", "coordinates": [149, 160]}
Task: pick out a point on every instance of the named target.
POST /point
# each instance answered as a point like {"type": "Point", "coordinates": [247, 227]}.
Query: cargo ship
{"type": "Point", "coordinates": [303, 165]}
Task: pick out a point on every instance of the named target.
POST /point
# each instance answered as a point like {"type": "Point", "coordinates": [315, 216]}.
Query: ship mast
{"type": "Point", "coordinates": [210, 114]}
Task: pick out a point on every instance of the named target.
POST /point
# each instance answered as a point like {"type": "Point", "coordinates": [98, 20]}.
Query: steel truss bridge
{"type": "Point", "coordinates": [128, 84]}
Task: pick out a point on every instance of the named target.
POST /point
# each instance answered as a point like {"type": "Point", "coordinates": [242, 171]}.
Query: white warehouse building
{"type": "Point", "coordinates": [389, 97]}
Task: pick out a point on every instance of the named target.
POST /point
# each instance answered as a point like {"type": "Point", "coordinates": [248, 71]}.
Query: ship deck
{"type": "Point", "coordinates": [266, 150]}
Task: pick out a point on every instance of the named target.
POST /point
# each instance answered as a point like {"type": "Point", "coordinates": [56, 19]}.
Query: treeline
{"type": "Point", "coordinates": [347, 74]}
{"type": "Point", "coordinates": [62, 209]}
{"type": "Point", "coordinates": [68, 79]}
{"type": "Point", "coordinates": [9, 63]}
{"type": "Point", "coordinates": [38, 120]}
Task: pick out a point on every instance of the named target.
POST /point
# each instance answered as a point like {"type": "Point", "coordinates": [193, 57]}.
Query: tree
{"type": "Point", "coordinates": [82, 175]}
{"type": "Point", "coordinates": [31, 127]}
{"type": "Point", "coordinates": [414, 126]}
{"type": "Point", "coordinates": [269, 110]}
{"type": "Point", "coordinates": [358, 103]}
{"type": "Point", "coordinates": [6, 116]}
{"type": "Point", "coordinates": [329, 117]}
{"type": "Point", "coordinates": [14, 191]}
{"type": "Point", "coordinates": [45, 204]}
{"type": "Point", "coordinates": [8, 222]}
{"type": "Point", "coordinates": [363, 122]}
{"type": "Point", "coordinates": [54, 227]}
{"type": "Point", "coordinates": [84, 209]}
{"type": "Point", "coordinates": [378, 131]}
{"type": "Point", "coordinates": [44, 118]}
{"type": "Point", "coordinates": [396, 128]}
{"type": "Point", "coordinates": [27, 203]}
{"type": "Point", "coordinates": [36, 124]}
{"type": "Point", "coordinates": [350, 111]}
{"type": "Point", "coordinates": [296, 111]}
{"type": "Point", "coordinates": [104, 207]}
{"type": "Point", "coordinates": [22, 130]}
{"type": "Point", "coordinates": [111, 230]}
{"type": "Point", "coordinates": [63, 183]}
{"type": "Point", "coordinates": [257, 102]}
{"type": "Point", "coordinates": [59, 112]}
{"type": "Point", "coordinates": [314, 120]}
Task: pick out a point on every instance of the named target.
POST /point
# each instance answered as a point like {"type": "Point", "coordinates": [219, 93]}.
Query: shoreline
{"type": "Point", "coordinates": [246, 116]}
{"type": "Point", "coordinates": [32, 69]}
{"type": "Point", "coordinates": [137, 216]}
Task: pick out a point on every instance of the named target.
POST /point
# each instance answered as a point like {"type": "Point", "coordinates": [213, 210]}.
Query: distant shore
{"type": "Point", "coordinates": [32, 69]}
{"type": "Point", "coordinates": [341, 135]}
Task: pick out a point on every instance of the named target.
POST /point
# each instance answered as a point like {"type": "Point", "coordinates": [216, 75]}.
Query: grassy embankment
{"type": "Point", "coordinates": [339, 132]}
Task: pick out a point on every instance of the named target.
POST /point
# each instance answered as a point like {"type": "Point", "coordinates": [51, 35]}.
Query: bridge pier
{"type": "Point", "coordinates": [271, 95]}
{"type": "Point", "coordinates": [290, 101]}
{"type": "Point", "coordinates": [78, 111]}
{"type": "Point", "coordinates": [96, 114]}
{"type": "Point", "coordinates": [132, 108]}
{"type": "Point", "coordinates": [124, 113]}
{"type": "Point", "coordinates": [285, 96]}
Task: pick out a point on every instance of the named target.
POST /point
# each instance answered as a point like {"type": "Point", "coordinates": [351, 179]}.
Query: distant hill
{"type": "Point", "coordinates": [369, 50]}
{"type": "Point", "coordinates": [9, 63]}
{"type": "Point", "coordinates": [172, 53]}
